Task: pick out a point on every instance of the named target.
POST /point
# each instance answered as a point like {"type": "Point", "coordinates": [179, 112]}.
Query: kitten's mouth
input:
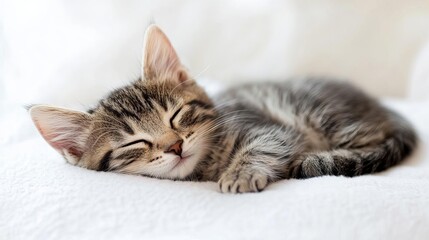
{"type": "Point", "coordinates": [181, 160]}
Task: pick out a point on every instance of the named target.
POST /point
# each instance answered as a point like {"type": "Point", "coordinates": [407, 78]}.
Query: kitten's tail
{"type": "Point", "coordinates": [354, 162]}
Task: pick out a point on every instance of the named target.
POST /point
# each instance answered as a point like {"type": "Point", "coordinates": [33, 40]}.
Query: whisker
{"type": "Point", "coordinates": [110, 124]}
{"type": "Point", "coordinates": [112, 118]}
{"type": "Point", "coordinates": [99, 137]}
{"type": "Point", "coordinates": [189, 79]}
{"type": "Point", "coordinates": [203, 71]}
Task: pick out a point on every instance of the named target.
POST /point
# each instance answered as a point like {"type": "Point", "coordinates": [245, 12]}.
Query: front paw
{"type": "Point", "coordinates": [242, 182]}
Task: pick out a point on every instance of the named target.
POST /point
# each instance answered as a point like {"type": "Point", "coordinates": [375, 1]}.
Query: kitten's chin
{"type": "Point", "coordinates": [184, 167]}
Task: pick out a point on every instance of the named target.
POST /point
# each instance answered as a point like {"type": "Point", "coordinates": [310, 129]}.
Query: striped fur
{"type": "Point", "coordinates": [306, 128]}
{"type": "Point", "coordinates": [165, 126]}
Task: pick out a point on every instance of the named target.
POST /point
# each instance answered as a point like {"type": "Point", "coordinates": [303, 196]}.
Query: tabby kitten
{"type": "Point", "coordinates": [165, 126]}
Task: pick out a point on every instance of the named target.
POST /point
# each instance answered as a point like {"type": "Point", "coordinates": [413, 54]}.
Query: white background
{"type": "Point", "coordinates": [71, 53]}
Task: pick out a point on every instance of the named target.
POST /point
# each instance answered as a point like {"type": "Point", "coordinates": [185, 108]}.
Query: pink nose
{"type": "Point", "coordinates": [176, 148]}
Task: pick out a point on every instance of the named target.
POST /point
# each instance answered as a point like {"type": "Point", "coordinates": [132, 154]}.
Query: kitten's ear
{"type": "Point", "coordinates": [160, 60]}
{"type": "Point", "coordinates": [65, 130]}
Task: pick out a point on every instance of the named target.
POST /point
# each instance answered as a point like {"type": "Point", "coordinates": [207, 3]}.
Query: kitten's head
{"type": "Point", "coordinates": [158, 126]}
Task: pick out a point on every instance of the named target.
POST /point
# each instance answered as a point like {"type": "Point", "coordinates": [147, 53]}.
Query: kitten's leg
{"type": "Point", "coordinates": [257, 158]}
{"type": "Point", "coordinates": [245, 174]}
{"type": "Point", "coordinates": [352, 162]}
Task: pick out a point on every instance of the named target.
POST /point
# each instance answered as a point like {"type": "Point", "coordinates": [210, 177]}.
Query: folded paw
{"type": "Point", "coordinates": [243, 181]}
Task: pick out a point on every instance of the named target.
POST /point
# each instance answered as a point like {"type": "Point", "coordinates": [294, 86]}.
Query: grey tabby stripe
{"type": "Point", "coordinates": [104, 162]}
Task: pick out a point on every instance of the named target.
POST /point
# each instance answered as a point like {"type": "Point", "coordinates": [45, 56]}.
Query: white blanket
{"type": "Point", "coordinates": [42, 197]}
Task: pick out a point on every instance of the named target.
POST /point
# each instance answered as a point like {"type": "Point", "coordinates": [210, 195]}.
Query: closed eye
{"type": "Point", "coordinates": [137, 141]}
{"type": "Point", "coordinates": [192, 104]}
{"type": "Point", "coordinates": [173, 117]}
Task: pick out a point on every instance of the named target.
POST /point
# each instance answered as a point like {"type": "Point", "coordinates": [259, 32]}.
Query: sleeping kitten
{"type": "Point", "coordinates": [165, 126]}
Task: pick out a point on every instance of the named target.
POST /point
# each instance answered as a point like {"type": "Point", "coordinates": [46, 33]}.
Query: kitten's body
{"type": "Point", "coordinates": [303, 128]}
{"type": "Point", "coordinates": [165, 126]}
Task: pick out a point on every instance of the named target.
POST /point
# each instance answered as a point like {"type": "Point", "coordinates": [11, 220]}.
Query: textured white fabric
{"type": "Point", "coordinates": [42, 197]}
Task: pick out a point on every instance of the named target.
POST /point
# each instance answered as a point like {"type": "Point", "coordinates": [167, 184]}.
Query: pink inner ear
{"type": "Point", "coordinates": [60, 144]}
{"type": "Point", "coordinates": [160, 58]}
{"type": "Point", "coordinates": [68, 146]}
{"type": "Point", "coordinates": [182, 76]}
